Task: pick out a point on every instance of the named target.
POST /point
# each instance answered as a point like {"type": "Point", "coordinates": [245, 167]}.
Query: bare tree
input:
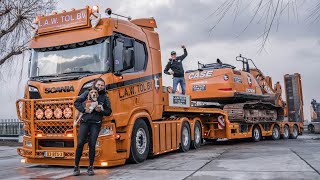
{"type": "Point", "coordinates": [268, 13]}
{"type": "Point", "coordinates": [16, 24]}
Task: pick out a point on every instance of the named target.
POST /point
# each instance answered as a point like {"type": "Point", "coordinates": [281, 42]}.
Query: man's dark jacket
{"type": "Point", "coordinates": [94, 117]}
{"type": "Point", "coordinates": [176, 65]}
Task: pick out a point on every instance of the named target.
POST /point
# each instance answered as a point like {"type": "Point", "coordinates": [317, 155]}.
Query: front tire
{"type": "Point", "coordinates": [196, 143]}
{"type": "Point", "coordinates": [140, 142]}
{"type": "Point", "coordinates": [256, 134]}
{"type": "Point", "coordinates": [185, 137]}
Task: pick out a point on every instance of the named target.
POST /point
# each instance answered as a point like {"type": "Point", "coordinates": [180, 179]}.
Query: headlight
{"type": "Point", "coordinates": [106, 131]}
{"type": "Point", "coordinates": [67, 112]}
{"type": "Point", "coordinates": [33, 89]}
{"type": "Point", "coordinates": [48, 113]}
{"type": "Point", "coordinates": [39, 114]}
{"type": "Point", "coordinates": [28, 143]}
{"type": "Point", "coordinates": [57, 113]}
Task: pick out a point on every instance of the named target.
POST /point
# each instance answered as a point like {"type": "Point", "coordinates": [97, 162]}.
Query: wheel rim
{"type": "Point", "coordinates": [256, 133]}
{"type": "Point", "coordinates": [197, 135]}
{"type": "Point", "coordinates": [275, 132]}
{"type": "Point", "coordinates": [185, 134]}
{"type": "Point", "coordinates": [286, 131]}
{"type": "Point", "coordinates": [295, 132]}
{"type": "Point", "coordinates": [141, 141]}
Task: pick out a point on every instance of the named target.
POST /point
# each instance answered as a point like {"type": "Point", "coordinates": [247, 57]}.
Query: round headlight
{"type": "Point", "coordinates": [67, 112]}
{"type": "Point", "coordinates": [39, 114]}
{"type": "Point", "coordinates": [57, 113]}
{"type": "Point", "coordinates": [48, 113]}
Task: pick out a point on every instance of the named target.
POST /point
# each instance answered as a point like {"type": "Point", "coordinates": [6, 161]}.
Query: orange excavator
{"type": "Point", "coordinates": [246, 95]}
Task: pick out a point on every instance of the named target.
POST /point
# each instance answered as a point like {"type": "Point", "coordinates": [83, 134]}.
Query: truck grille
{"type": "Point", "coordinates": [55, 128]}
{"type": "Point", "coordinates": [49, 117]}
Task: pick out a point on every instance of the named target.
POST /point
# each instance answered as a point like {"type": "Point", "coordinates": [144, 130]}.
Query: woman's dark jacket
{"type": "Point", "coordinates": [94, 117]}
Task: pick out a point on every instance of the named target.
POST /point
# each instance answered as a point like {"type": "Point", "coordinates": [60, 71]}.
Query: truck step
{"type": "Point", "coordinates": [121, 131]}
{"type": "Point", "coordinates": [121, 150]}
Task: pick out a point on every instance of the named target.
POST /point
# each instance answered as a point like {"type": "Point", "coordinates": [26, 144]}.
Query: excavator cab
{"type": "Point", "coordinates": [217, 65]}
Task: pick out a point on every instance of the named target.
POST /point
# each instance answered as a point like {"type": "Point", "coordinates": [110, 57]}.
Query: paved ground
{"type": "Point", "coordinates": [283, 159]}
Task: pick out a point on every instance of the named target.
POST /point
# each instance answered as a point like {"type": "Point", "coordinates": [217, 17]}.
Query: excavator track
{"type": "Point", "coordinates": [253, 112]}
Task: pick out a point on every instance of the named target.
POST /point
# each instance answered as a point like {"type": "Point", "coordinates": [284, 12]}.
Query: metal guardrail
{"type": "Point", "coordinates": [11, 128]}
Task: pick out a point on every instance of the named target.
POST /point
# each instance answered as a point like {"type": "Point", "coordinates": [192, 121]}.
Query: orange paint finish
{"type": "Point", "coordinates": [219, 84]}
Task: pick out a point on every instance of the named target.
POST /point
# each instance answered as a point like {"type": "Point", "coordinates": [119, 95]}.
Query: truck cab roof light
{"type": "Point", "coordinates": [95, 9]}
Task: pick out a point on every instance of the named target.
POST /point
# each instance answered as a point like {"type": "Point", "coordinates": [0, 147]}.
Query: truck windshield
{"type": "Point", "coordinates": [85, 59]}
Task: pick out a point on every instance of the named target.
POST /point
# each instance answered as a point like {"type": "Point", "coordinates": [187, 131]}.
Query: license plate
{"type": "Point", "coordinates": [53, 154]}
{"type": "Point", "coordinates": [201, 87]}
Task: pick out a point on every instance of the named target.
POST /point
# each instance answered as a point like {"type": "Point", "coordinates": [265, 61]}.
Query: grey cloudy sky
{"type": "Point", "coordinates": [294, 47]}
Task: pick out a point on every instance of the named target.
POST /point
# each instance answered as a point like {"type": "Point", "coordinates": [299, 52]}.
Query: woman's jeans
{"type": "Point", "coordinates": [88, 131]}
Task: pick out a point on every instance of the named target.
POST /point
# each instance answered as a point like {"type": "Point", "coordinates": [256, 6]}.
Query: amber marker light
{"type": "Point", "coordinates": [104, 163]}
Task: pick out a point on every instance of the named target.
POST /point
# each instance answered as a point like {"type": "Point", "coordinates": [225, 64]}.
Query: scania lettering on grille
{"type": "Point", "coordinates": [202, 74]}
{"type": "Point", "coordinates": [59, 89]}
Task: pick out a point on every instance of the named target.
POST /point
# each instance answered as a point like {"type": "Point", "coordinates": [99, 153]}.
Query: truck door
{"type": "Point", "coordinates": [130, 87]}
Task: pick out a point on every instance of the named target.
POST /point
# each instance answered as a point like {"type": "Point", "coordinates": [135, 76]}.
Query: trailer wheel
{"type": "Point", "coordinates": [256, 134]}
{"type": "Point", "coordinates": [295, 133]}
{"type": "Point", "coordinates": [185, 137]}
{"type": "Point", "coordinates": [197, 136]}
{"type": "Point", "coordinates": [140, 142]}
{"type": "Point", "coordinates": [311, 128]}
{"type": "Point", "coordinates": [286, 132]}
{"type": "Point", "coordinates": [276, 132]}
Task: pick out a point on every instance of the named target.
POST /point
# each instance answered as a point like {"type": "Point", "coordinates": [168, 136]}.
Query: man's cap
{"type": "Point", "coordinates": [173, 52]}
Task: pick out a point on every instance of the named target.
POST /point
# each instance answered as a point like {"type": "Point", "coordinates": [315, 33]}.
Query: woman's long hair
{"type": "Point", "coordinates": [95, 82]}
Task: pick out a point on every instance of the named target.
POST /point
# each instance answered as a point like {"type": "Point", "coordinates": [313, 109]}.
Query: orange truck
{"type": "Point", "coordinates": [69, 51]}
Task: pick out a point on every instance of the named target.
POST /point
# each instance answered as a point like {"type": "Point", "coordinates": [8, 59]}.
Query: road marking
{"type": "Point", "coordinates": [305, 161]}
{"type": "Point", "coordinates": [214, 158]}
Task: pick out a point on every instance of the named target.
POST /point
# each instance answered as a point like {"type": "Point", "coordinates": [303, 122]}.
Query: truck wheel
{"type": "Point", "coordinates": [295, 132]}
{"type": "Point", "coordinates": [197, 135]}
{"type": "Point", "coordinates": [276, 132]}
{"type": "Point", "coordinates": [140, 142]}
{"type": "Point", "coordinates": [256, 134]}
{"type": "Point", "coordinates": [185, 137]}
{"type": "Point", "coordinates": [286, 131]}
